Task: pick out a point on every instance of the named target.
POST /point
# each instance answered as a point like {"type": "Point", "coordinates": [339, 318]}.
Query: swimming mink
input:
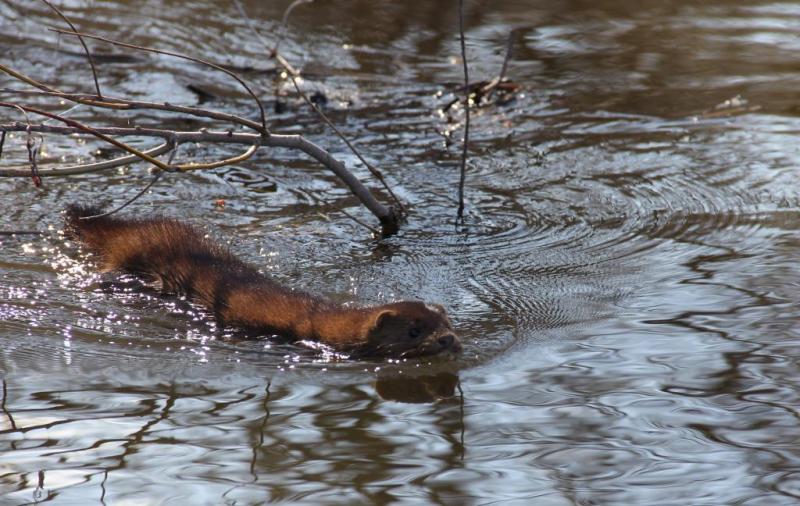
{"type": "Point", "coordinates": [179, 259]}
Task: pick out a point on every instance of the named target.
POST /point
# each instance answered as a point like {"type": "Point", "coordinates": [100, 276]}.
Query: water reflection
{"type": "Point", "coordinates": [416, 389]}
{"type": "Point", "coordinates": [302, 439]}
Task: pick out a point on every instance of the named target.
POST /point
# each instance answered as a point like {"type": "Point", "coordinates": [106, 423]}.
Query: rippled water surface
{"type": "Point", "coordinates": [625, 281]}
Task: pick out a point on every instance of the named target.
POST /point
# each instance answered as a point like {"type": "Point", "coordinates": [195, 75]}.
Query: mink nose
{"type": "Point", "coordinates": [446, 341]}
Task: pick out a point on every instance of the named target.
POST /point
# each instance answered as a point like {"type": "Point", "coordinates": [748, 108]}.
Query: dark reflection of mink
{"type": "Point", "coordinates": [417, 389]}
{"type": "Point", "coordinates": [178, 258]}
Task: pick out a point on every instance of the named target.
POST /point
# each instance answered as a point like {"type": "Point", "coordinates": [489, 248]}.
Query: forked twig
{"type": "Point", "coordinates": [285, 20]}
{"type": "Point", "coordinates": [30, 146]}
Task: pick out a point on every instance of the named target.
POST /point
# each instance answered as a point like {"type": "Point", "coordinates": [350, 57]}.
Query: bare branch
{"type": "Point", "coordinates": [172, 137]}
{"type": "Point", "coordinates": [384, 214]}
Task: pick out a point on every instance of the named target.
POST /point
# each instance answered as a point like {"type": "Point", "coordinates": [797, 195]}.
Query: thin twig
{"type": "Point", "coordinates": [263, 114]}
{"type": "Point", "coordinates": [375, 231]}
{"type": "Point", "coordinates": [130, 201]}
{"type": "Point", "coordinates": [509, 52]}
{"type": "Point", "coordinates": [30, 145]}
{"type": "Point", "coordinates": [85, 48]}
{"type": "Point", "coordinates": [463, 177]}
{"type": "Point", "coordinates": [64, 112]}
{"type": "Point", "coordinates": [2, 142]}
{"type": "Point", "coordinates": [274, 52]}
{"type": "Point", "coordinates": [461, 412]}
{"type": "Point", "coordinates": [493, 84]}
{"type": "Point", "coordinates": [250, 23]}
{"type": "Point", "coordinates": [20, 232]}
{"type": "Point", "coordinates": [4, 408]}
{"type": "Point", "coordinates": [156, 177]}
{"type": "Point", "coordinates": [285, 21]}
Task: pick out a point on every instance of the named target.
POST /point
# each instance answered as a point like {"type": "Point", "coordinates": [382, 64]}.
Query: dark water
{"type": "Point", "coordinates": [625, 283]}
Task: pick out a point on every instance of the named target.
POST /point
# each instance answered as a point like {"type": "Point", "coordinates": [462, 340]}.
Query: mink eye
{"type": "Point", "coordinates": [414, 332]}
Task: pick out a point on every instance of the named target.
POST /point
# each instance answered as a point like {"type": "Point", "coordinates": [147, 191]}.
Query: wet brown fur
{"type": "Point", "coordinates": [179, 259]}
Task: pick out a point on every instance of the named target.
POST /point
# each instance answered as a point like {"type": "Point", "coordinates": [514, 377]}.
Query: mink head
{"type": "Point", "coordinates": [409, 329]}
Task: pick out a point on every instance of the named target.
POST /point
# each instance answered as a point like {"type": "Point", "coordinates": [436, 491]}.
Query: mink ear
{"type": "Point", "coordinates": [383, 317]}
{"type": "Point", "coordinates": [438, 308]}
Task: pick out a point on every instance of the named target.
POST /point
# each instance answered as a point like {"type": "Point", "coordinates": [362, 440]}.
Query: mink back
{"type": "Point", "coordinates": [174, 255]}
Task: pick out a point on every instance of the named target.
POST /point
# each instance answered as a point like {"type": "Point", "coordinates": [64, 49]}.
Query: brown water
{"type": "Point", "coordinates": [626, 282]}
